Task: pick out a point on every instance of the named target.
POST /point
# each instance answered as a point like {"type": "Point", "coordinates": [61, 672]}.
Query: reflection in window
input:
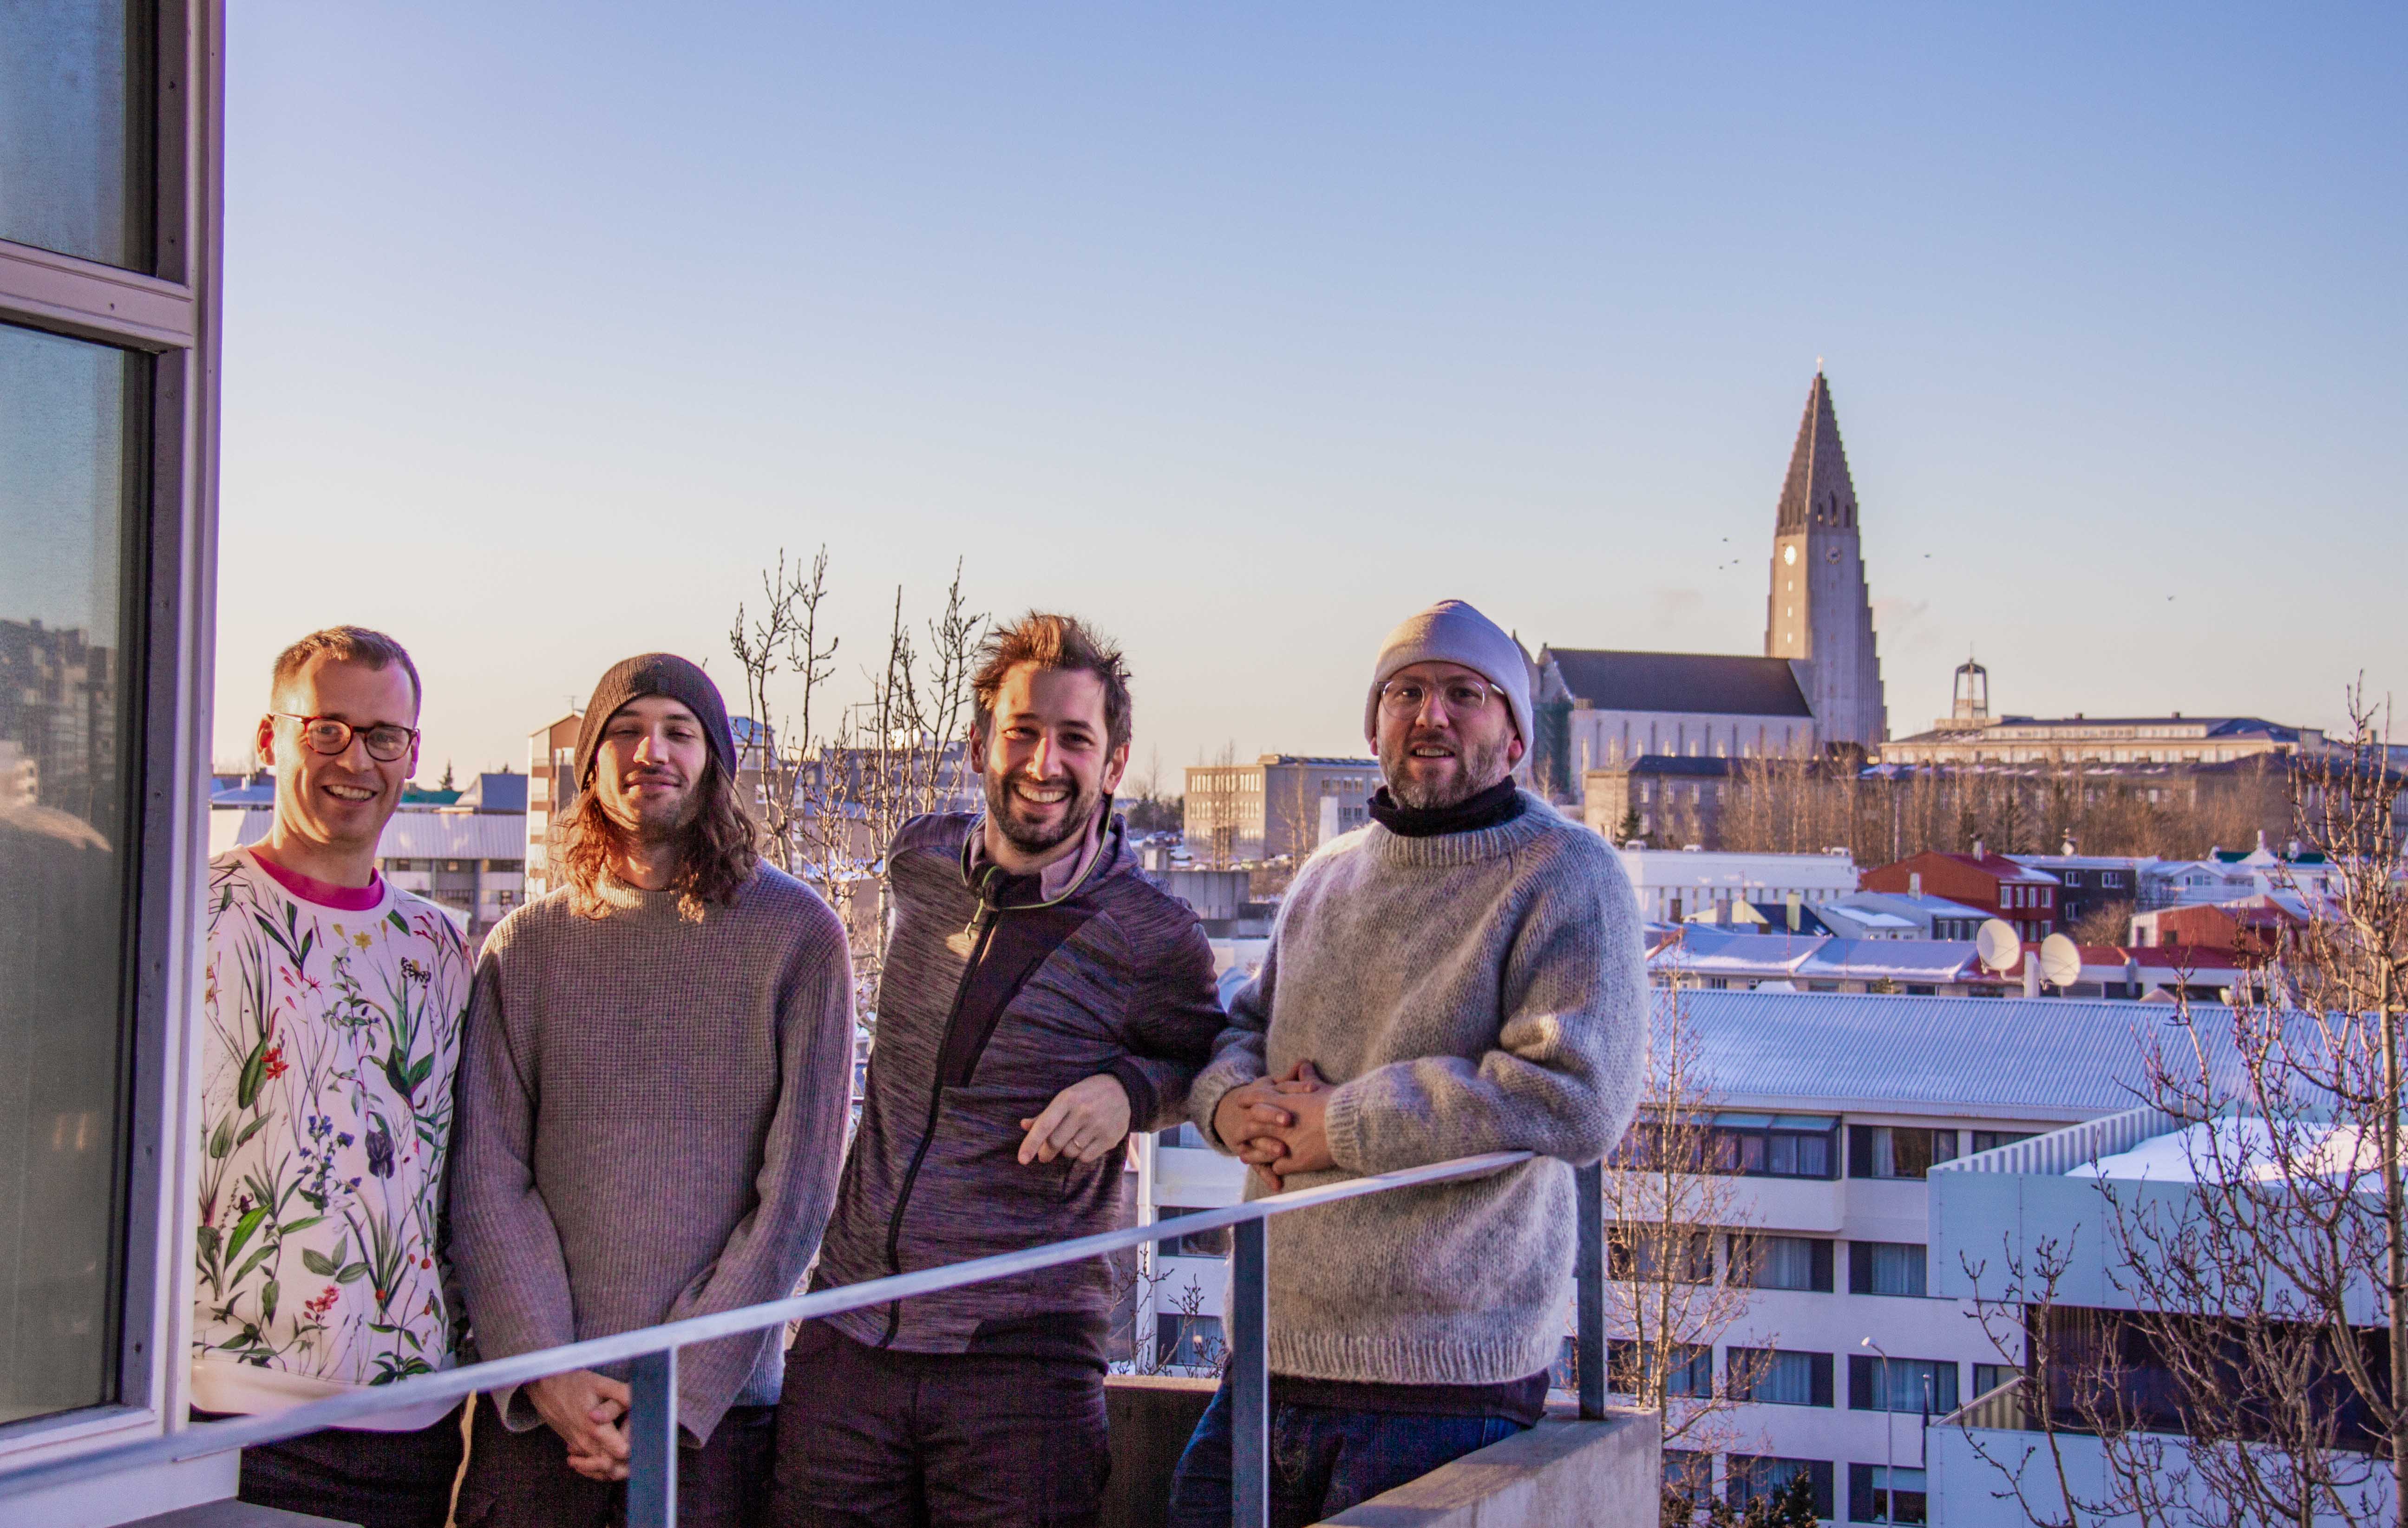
{"type": "Point", "coordinates": [68, 597]}
{"type": "Point", "coordinates": [75, 128]}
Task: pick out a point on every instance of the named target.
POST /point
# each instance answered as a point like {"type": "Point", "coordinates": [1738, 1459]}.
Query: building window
{"type": "Point", "coordinates": [1212, 1243]}
{"type": "Point", "coordinates": [1897, 1150]}
{"type": "Point", "coordinates": [1868, 1494]}
{"type": "Point", "coordinates": [1637, 1253]}
{"type": "Point", "coordinates": [1690, 1365]}
{"type": "Point", "coordinates": [1927, 1386]}
{"type": "Point", "coordinates": [1689, 1474]}
{"type": "Point", "coordinates": [1189, 1342]}
{"type": "Point", "coordinates": [1990, 1140]}
{"type": "Point", "coordinates": [1750, 1477]}
{"type": "Point", "coordinates": [1778, 1376]}
{"type": "Point", "coordinates": [1887, 1267]}
{"type": "Point", "coordinates": [1989, 1377]}
{"type": "Point", "coordinates": [1783, 1262]}
{"type": "Point", "coordinates": [74, 427]}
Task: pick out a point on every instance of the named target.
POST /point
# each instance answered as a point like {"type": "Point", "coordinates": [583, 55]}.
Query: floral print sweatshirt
{"type": "Point", "coordinates": [328, 1041]}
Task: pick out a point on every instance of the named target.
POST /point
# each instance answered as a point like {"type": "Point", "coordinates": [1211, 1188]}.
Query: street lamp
{"type": "Point", "coordinates": [1889, 1437]}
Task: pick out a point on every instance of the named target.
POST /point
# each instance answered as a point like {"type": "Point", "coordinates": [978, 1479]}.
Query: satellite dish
{"type": "Point", "coordinates": [2060, 960]}
{"type": "Point", "coordinates": [1997, 944]}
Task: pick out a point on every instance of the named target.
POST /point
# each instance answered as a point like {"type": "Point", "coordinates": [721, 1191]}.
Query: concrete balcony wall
{"type": "Point", "coordinates": [1597, 1474]}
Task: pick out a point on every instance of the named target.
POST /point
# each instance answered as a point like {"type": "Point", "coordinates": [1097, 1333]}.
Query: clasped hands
{"type": "Point", "coordinates": [1276, 1125]}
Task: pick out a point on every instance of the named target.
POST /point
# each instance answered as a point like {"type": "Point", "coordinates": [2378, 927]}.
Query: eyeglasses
{"type": "Point", "coordinates": [385, 741]}
{"type": "Point", "coordinates": [1403, 697]}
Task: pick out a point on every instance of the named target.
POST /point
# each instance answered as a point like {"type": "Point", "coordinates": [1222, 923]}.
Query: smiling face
{"type": "Point", "coordinates": [648, 770]}
{"type": "Point", "coordinates": [1046, 756]}
{"type": "Point", "coordinates": [338, 802]}
{"type": "Point", "coordinates": [1444, 750]}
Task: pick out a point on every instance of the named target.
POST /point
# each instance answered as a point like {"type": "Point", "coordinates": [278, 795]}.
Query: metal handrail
{"type": "Point", "coordinates": [651, 1351]}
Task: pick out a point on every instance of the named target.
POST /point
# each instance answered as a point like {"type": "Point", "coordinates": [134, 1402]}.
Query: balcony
{"type": "Point", "coordinates": [1584, 1464]}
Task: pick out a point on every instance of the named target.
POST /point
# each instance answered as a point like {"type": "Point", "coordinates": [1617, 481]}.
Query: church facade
{"type": "Point", "coordinates": [1817, 688]}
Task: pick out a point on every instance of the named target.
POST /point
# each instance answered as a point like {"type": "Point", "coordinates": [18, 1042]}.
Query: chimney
{"type": "Point", "coordinates": [2067, 848]}
{"type": "Point", "coordinates": [1914, 883]}
{"type": "Point", "coordinates": [1792, 899]}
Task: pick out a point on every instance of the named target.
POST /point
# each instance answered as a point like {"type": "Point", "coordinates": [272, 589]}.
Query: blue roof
{"type": "Point", "coordinates": [2008, 1058]}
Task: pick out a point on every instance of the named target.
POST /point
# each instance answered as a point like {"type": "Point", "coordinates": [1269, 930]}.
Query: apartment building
{"type": "Point", "coordinates": [1239, 813]}
{"type": "Point", "coordinates": [1832, 1109]}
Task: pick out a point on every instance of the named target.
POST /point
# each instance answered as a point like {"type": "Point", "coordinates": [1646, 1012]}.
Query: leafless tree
{"type": "Point", "coordinates": [1681, 1263]}
{"type": "Point", "coordinates": [783, 638]}
{"type": "Point", "coordinates": [2261, 1315]}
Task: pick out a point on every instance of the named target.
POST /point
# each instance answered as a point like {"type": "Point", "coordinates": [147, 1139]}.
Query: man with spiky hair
{"type": "Point", "coordinates": [1039, 1000]}
{"type": "Point", "coordinates": [652, 1103]}
{"type": "Point", "coordinates": [330, 1029]}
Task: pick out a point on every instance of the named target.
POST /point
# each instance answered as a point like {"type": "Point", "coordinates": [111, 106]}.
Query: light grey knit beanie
{"type": "Point", "coordinates": [1451, 632]}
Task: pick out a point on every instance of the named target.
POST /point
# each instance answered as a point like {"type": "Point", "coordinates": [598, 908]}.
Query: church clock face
{"type": "Point", "coordinates": [1830, 554]}
{"type": "Point", "coordinates": [1790, 555]}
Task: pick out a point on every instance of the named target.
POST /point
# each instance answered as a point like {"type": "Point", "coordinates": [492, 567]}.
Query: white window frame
{"type": "Point", "coordinates": [170, 314]}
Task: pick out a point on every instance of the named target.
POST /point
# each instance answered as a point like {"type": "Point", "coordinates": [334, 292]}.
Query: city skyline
{"type": "Point", "coordinates": [1243, 339]}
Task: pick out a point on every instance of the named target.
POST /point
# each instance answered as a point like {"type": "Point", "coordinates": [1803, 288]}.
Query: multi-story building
{"type": "Point", "coordinates": [1670, 800]}
{"type": "Point", "coordinates": [1676, 884]}
{"type": "Point", "coordinates": [2087, 882]}
{"type": "Point", "coordinates": [1970, 734]}
{"type": "Point", "coordinates": [1242, 813]}
{"type": "Point", "coordinates": [550, 785]}
{"type": "Point", "coordinates": [1833, 1109]}
{"type": "Point", "coordinates": [1999, 886]}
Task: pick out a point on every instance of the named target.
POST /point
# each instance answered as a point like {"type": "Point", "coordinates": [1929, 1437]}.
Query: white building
{"type": "Point", "coordinates": [1676, 884]}
{"type": "Point", "coordinates": [1838, 1107]}
{"type": "Point", "coordinates": [470, 863]}
{"type": "Point", "coordinates": [1992, 1212]}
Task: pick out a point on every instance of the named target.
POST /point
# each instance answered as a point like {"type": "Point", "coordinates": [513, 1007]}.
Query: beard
{"type": "Point", "coordinates": [656, 820]}
{"type": "Point", "coordinates": [1013, 820]}
{"type": "Point", "coordinates": [1478, 766]}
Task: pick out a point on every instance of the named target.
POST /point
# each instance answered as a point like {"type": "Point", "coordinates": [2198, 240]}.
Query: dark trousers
{"type": "Point", "coordinates": [1323, 1459]}
{"type": "Point", "coordinates": [375, 1479]}
{"type": "Point", "coordinates": [870, 1439]}
{"type": "Point", "coordinates": [522, 1479]}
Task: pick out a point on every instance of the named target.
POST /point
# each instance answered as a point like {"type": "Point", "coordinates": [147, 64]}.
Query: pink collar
{"type": "Point", "coordinates": [325, 894]}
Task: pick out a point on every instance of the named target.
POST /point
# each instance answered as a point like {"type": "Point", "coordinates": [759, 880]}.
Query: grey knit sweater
{"type": "Point", "coordinates": [1473, 991]}
{"type": "Point", "coordinates": [651, 1118]}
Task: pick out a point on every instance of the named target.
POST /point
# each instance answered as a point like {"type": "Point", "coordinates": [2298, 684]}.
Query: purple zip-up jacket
{"type": "Point", "coordinates": [992, 1001]}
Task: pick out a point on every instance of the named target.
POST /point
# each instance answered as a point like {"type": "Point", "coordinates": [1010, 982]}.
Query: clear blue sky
{"type": "Point", "coordinates": [1245, 330]}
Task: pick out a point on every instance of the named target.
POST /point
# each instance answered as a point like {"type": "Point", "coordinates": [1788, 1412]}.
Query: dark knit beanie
{"type": "Point", "coordinates": [655, 674]}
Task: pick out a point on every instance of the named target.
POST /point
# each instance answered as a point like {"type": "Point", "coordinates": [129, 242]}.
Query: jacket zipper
{"type": "Point", "coordinates": [987, 919]}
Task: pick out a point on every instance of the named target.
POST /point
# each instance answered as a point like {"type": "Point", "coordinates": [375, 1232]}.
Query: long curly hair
{"type": "Point", "coordinates": [718, 848]}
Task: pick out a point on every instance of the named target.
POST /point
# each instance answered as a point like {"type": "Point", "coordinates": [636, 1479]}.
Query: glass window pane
{"type": "Point", "coordinates": [75, 128]}
{"type": "Point", "coordinates": [68, 411]}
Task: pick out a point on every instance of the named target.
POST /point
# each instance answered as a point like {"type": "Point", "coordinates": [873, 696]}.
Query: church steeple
{"type": "Point", "coordinates": [1818, 490]}
{"type": "Point", "coordinates": [1819, 613]}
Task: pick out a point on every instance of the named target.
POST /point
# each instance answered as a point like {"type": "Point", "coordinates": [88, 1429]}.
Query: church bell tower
{"type": "Point", "coordinates": [1820, 613]}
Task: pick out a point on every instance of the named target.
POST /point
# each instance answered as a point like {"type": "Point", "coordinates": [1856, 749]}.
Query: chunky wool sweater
{"type": "Point", "coordinates": [651, 1114]}
{"type": "Point", "coordinates": [1473, 991]}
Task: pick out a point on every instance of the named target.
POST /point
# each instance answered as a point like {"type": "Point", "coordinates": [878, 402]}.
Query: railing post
{"type": "Point", "coordinates": [651, 1441]}
{"type": "Point", "coordinates": [1250, 1409]}
{"type": "Point", "coordinates": [1589, 1278]}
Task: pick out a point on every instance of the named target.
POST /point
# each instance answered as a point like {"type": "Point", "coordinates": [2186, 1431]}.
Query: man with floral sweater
{"type": "Point", "coordinates": [330, 1029]}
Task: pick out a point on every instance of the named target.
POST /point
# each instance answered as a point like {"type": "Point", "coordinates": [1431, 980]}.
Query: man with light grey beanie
{"type": "Point", "coordinates": [1463, 974]}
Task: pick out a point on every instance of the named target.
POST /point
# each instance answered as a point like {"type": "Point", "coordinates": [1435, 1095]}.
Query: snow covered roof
{"type": "Point", "coordinates": [2054, 1059]}
{"type": "Point", "coordinates": [2237, 1149]}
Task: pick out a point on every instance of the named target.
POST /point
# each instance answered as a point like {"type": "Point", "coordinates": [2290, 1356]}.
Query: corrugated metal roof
{"type": "Point", "coordinates": [1987, 1057]}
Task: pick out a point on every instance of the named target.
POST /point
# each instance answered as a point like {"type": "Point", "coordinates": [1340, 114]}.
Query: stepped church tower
{"type": "Point", "coordinates": [1687, 715]}
{"type": "Point", "coordinates": [1819, 614]}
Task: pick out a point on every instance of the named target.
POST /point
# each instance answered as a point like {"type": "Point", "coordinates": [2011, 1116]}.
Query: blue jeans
{"type": "Point", "coordinates": [1323, 1461]}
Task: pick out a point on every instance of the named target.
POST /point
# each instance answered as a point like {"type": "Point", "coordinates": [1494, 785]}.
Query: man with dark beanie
{"type": "Point", "coordinates": [1039, 1000]}
{"type": "Point", "coordinates": [1463, 974]}
{"type": "Point", "coordinates": [653, 1097]}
